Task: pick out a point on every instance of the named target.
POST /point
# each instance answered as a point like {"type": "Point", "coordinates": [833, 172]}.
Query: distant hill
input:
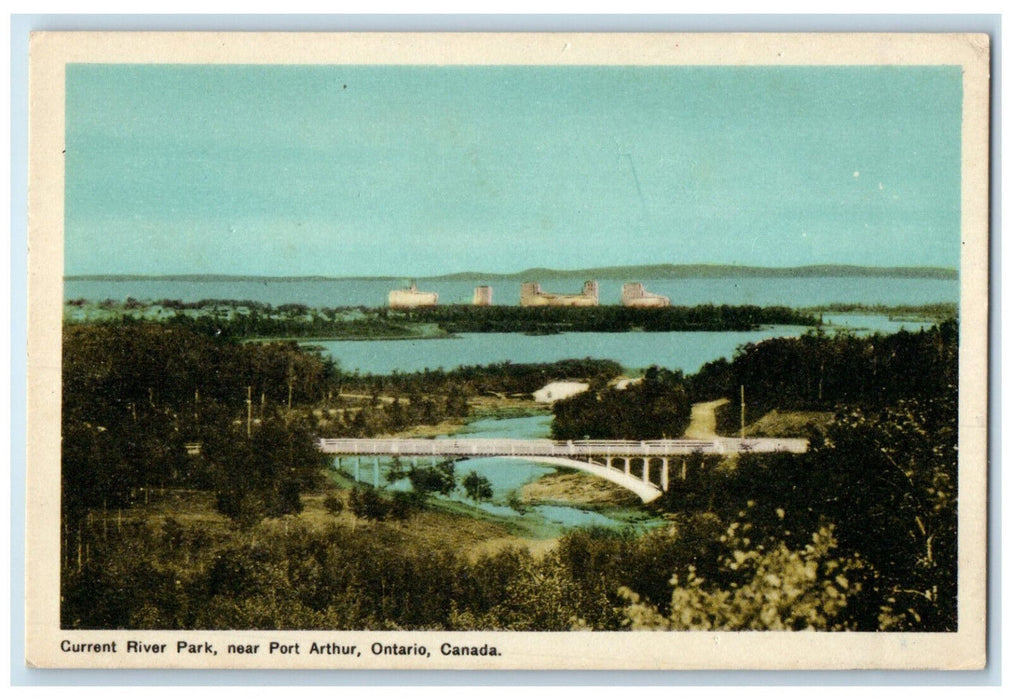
{"type": "Point", "coordinates": [624, 273]}
{"type": "Point", "coordinates": [667, 271]}
{"type": "Point", "coordinates": [218, 278]}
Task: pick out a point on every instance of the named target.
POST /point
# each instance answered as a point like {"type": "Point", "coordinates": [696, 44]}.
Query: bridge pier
{"type": "Point", "coordinates": [685, 470]}
{"type": "Point", "coordinates": [664, 473]}
{"type": "Point", "coordinates": [358, 465]}
{"type": "Point", "coordinates": [375, 472]}
{"type": "Point", "coordinates": [646, 470]}
{"type": "Point", "coordinates": [626, 465]}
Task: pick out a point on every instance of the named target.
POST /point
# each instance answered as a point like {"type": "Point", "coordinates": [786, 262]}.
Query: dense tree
{"type": "Point", "coordinates": [477, 487]}
{"type": "Point", "coordinates": [438, 479]}
{"type": "Point", "coordinates": [654, 408]}
{"type": "Point", "coordinates": [333, 504]}
{"type": "Point", "coordinates": [820, 372]}
{"type": "Point", "coordinates": [763, 586]}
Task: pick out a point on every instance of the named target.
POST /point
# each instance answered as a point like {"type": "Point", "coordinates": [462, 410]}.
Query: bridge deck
{"type": "Point", "coordinates": [478, 447]}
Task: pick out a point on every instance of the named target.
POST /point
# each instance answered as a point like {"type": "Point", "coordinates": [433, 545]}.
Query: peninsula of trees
{"type": "Point", "coordinates": [252, 319]}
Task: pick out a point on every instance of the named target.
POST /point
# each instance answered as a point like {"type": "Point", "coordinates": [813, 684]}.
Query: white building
{"type": "Point", "coordinates": [411, 298]}
{"type": "Point", "coordinates": [554, 391]}
{"type": "Point", "coordinates": [482, 296]}
{"type": "Point", "coordinates": [532, 295]}
{"type": "Point", "coordinates": [634, 294]}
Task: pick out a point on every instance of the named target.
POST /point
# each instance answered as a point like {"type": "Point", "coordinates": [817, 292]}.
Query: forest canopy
{"type": "Point", "coordinates": [857, 534]}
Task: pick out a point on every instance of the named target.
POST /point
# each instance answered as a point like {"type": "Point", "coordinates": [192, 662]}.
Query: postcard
{"type": "Point", "coordinates": [507, 351]}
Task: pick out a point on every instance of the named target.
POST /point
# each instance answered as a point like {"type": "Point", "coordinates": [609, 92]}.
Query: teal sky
{"type": "Point", "coordinates": [413, 171]}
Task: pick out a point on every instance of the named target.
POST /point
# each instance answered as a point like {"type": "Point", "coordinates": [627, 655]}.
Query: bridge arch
{"type": "Point", "coordinates": [647, 492]}
{"type": "Point", "coordinates": [597, 457]}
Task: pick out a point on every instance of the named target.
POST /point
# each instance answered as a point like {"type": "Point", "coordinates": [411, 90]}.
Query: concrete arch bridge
{"type": "Point", "coordinates": [644, 467]}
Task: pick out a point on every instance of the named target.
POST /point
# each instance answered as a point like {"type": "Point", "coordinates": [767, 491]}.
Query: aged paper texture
{"type": "Point", "coordinates": [507, 351]}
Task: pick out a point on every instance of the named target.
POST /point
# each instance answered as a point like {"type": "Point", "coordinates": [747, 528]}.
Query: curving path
{"type": "Point", "coordinates": [703, 420]}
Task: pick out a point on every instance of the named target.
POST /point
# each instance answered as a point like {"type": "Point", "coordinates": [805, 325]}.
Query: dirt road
{"type": "Point", "coordinates": [703, 420]}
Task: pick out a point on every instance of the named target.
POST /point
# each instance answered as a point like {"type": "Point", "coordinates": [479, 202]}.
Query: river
{"type": "Point", "coordinates": [508, 476]}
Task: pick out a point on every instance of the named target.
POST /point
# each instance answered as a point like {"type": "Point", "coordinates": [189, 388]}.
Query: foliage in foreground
{"type": "Point", "coordinates": [886, 483]}
{"type": "Point", "coordinates": [772, 587]}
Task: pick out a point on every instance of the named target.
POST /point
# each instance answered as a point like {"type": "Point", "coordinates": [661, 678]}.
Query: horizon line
{"type": "Point", "coordinates": [884, 270]}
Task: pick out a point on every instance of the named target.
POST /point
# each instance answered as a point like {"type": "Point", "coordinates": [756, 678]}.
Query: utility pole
{"type": "Point", "coordinates": [743, 411]}
{"type": "Point", "coordinates": [249, 411]}
{"type": "Point", "coordinates": [291, 378]}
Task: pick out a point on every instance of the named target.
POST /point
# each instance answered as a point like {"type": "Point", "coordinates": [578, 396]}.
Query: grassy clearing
{"type": "Point", "coordinates": [788, 423]}
{"type": "Point", "coordinates": [442, 524]}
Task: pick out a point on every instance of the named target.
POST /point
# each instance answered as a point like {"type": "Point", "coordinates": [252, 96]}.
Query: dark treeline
{"type": "Point", "coordinates": [295, 323]}
{"type": "Point", "coordinates": [109, 368]}
{"type": "Point", "coordinates": [655, 407]}
{"type": "Point", "coordinates": [498, 378]}
{"type": "Point", "coordinates": [135, 395]}
{"type": "Point", "coordinates": [606, 319]}
{"type": "Point", "coordinates": [814, 372]}
{"type": "Point", "coordinates": [250, 319]}
{"type": "Point", "coordinates": [941, 311]}
{"type": "Point", "coordinates": [820, 372]}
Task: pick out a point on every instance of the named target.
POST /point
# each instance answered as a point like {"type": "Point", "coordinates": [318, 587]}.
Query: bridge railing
{"type": "Point", "coordinates": [553, 448]}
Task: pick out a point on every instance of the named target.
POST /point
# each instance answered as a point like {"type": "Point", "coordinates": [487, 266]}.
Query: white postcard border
{"type": "Point", "coordinates": [571, 650]}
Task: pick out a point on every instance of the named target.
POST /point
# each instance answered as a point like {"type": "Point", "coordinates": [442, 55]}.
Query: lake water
{"type": "Point", "coordinates": [682, 292]}
{"type": "Point", "coordinates": [684, 350]}
{"type": "Point", "coordinates": [507, 476]}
